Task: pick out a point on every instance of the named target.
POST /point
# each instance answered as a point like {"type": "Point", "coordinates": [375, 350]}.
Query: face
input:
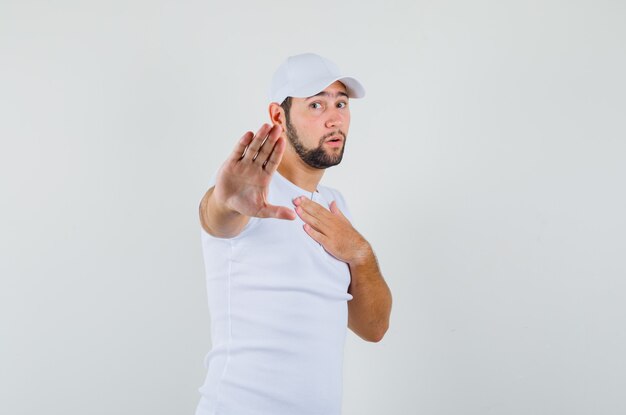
{"type": "Point", "coordinates": [317, 126]}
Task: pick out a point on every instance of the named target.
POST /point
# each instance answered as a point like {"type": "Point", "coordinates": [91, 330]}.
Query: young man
{"type": "Point", "coordinates": [286, 270]}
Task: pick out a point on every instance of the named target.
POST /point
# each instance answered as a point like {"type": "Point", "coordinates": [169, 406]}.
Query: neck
{"type": "Point", "coordinates": [299, 173]}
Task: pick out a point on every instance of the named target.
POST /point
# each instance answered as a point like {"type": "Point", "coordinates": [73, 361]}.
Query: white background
{"type": "Point", "coordinates": [485, 165]}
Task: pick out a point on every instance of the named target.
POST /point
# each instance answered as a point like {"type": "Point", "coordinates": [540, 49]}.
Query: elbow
{"type": "Point", "coordinates": [378, 335]}
{"type": "Point", "coordinates": [381, 329]}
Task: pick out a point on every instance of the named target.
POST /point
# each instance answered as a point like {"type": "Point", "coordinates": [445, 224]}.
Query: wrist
{"type": "Point", "coordinates": [362, 256]}
{"type": "Point", "coordinates": [222, 206]}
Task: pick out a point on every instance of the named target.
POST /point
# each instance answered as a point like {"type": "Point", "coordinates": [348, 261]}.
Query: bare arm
{"type": "Point", "coordinates": [370, 307]}
{"type": "Point", "coordinates": [241, 186]}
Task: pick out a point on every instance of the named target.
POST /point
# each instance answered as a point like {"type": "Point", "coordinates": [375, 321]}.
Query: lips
{"type": "Point", "coordinates": [335, 142]}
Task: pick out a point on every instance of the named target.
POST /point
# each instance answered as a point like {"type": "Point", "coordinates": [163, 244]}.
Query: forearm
{"type": "Point", "coordinates": [370, 307]}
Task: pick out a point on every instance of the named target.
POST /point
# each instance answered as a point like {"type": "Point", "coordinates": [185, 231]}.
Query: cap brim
{"type": "Point", "coordinates": [353, 87]}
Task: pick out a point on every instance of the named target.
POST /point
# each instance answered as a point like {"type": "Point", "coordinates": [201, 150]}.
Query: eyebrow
{"type": "Point", "coordinates": [327, 94]}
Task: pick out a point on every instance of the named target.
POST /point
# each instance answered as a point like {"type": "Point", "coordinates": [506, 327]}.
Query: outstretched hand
{"type": "Point", "coordinates": [243, 181]}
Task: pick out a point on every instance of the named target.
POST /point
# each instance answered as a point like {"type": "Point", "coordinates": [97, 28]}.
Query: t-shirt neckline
{"type": "Point", "coordinates": [296, 187]}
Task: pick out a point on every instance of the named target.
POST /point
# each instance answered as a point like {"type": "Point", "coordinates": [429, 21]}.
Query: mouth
{"type": "Point", "coordinates": [334, 141]}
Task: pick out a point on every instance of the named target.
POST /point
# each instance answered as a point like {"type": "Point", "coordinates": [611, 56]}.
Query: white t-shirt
{"type": "Point", "coordinates": [278, 306]}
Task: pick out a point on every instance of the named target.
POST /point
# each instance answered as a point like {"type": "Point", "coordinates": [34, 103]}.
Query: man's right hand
{"type": "Point", "coordinates": [242, 184]}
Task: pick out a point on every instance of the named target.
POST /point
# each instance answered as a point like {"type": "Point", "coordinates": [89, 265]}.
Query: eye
{"type": "Point", "coordinates": [315, 103]}
{"type": "Point", "coordinates": [345, 104]}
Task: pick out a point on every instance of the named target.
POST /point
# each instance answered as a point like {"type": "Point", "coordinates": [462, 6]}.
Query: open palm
{"type": "Point", "coordinates": [243, 181]}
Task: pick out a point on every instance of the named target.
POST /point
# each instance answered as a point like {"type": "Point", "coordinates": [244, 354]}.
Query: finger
{"type": "Point", "coordinates": [240, 147]}
{"type": "Point", "coordinates": [276, 212]}
{"type": "Point", "coordinates": [271, 164]}
{"type": "Point", "coordinates": [334, 209]}
{"type": "Point", "coordinates": [310, 219]}
{"type": "Point", "coordinates": [268, 145]}
{"type": "Point", "coordinates": [313, 208]}
{"type": "Point", "coordinates": [317, 236]}
{"type": "Point", "coordinates": [256, 143]}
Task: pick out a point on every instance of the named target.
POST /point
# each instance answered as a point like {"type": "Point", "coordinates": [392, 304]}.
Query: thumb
{"type": "Point", "coordinates": [277, 212]}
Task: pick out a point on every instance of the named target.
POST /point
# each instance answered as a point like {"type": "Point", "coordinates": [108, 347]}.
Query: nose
{"type": "Point", "coordinates": [335, 118]}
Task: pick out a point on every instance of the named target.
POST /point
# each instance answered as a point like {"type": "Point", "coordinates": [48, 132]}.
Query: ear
{"type": "Point", "coordinates": [277, 115]}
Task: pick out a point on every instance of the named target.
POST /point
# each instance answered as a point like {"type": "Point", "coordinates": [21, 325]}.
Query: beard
{"type": "Point", "coordinates": [315, 157]}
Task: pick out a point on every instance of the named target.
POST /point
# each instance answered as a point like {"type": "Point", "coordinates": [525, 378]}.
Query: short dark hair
{"type": "Point", "coordinates": [286, 105]}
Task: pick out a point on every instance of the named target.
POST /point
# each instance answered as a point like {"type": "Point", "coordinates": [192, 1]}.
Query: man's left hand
{"type": "Point", "coordinates": [332, 230]}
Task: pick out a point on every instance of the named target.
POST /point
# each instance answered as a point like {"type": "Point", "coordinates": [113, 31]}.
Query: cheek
{"type": "Point", "coordinates": [346, 117]}
{"type": "Point", "coordinates": [346, 123]}
{"type": "Point", "coordinates": [307, 122]}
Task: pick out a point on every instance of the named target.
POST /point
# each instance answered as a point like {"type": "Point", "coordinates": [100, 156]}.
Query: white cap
{"type": "Point", "coordinates": [307, 74]}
